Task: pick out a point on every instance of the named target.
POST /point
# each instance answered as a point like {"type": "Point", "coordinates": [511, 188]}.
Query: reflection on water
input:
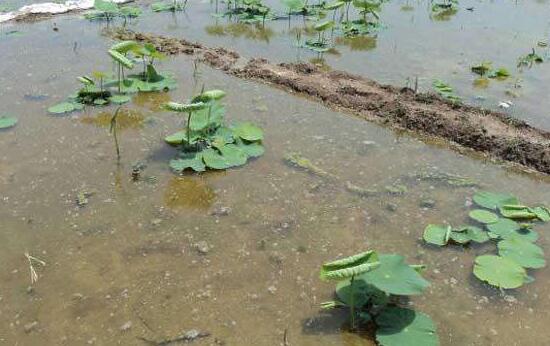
{"type": "Point", "coordinates": [126, 119]}
{"type": "Point", "coordinates": [256, 31]}
{"type": "Point", "coordinates": [151, 101]}
{"type": "Point", "coordinates": [359, 43]}
{"type": "Point", "coordinates": [189, 192]}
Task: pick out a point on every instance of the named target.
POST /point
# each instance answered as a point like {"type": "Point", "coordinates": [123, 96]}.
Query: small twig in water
{"type": "Point", "coordinates": [114, 132]}
{"type": "Point", "coordinates": [34, 275]}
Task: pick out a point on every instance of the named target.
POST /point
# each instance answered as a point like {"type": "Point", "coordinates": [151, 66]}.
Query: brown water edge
{"type": "Point", "coordinates": [493, 133]}
{"type": "Point", "coordinates": [131, 254]}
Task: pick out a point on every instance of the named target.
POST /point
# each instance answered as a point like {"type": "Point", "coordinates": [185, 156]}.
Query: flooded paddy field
{"type": "Point", "coordinates": [235, 254]}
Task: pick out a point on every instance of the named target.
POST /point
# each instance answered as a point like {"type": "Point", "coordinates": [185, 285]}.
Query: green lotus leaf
{"type": "Point", "coordinates": [105, 6]}
{"type": "Point", "coordinates": [211, 115]}
{"type": "Point", "coordinates": [363, 293]}
{"type": "Point", "coordinates": [119, 99]}
{"type": "Point", "coordinates": [63, 107]}
{"type": "Point", "coordinates": [192, 161]}
{"type": "Point", "coordinates": [394, 276]}
{"type": "Point", "coordinates": [523, 252]}
{"type": "Point", "coordinates": [483, 216]}
{"type": "Point", "coordinates": [125, 46]}
{"type": "Point", "coordinates": [214, 160]}
{"type": "Point", "coordinates": [225, 134]}
{"type": "Point", "coordinates": [543, 214]}
{"type": "Point", "coordinates": [180, 137]}
{"type": "Point", "coordinates": [7, 122]}
{"type": "Point", "coordinates": [324, 25]}
{"type": "Point", "coordinates": [499, 271]}
{"type": "Point", "coordinates": [210, 95]}
{"type": "Point", "coordinates": [351, 266]}
{"type": "Point", "coordinates": [473, 233]}
{"type": "Point", "coordinates": [399, 327]}
{"type": "Point", "coordinates": [185, 108]}
{"type": "Point", "coordinates": [492, 200]}
{"type": "Point", "coordinates": [121, 59]}
{"type": "Point", "coordinates": [517, 212]}
{"type": "Point", "coordinates": [506, 228]}
{"type": "Point", "coordinates": [233, 155]}
{"type": "Point", "coordinates": [249, 132]}
{"type": "Point", "coordinates": [459, 237]}
{"type": "Point", "coordinates": [100, 102]}
{"type": "Point", "coordinates": [437, 234]}
{"type": "Point", "coordinates": [252, 149]}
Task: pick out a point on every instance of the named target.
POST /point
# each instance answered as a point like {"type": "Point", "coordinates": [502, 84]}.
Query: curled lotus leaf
{"type": "Point", "coordinates": [499, 271]}
{"type": "Point", "coordinates": [125, 46]}
{"type": "Point", "coordinates": [543, 214]}
{"type": "Point", "coordinates": [517, 212]}
{"type": "Point", "coordinates": [185, 108]}
{"type": "Point", "coordinates": [210, 95]}
{"type": "Point", "coordinates": [351, 266]}
{"type": "Point", "coordinates": [121, 59]}
{"type": "Point", "coordinates": [483, 216]}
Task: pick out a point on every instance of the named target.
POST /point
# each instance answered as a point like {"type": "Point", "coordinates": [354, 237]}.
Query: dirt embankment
{"type": "Point", "coordinates": [492, 133]}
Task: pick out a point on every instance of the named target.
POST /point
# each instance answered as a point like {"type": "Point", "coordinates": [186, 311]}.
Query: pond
{"type": "Point", "coordinates": [237, 253]}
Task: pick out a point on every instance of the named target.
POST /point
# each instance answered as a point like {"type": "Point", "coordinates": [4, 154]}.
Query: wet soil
{"type": "Point", "coordinates": [494, 134]}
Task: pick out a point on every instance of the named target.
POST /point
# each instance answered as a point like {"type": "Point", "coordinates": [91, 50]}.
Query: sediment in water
{"type": "Point", "coordinates": [492, 133]}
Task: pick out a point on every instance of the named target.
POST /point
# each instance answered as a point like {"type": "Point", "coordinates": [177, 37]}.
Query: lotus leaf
{"type": "Point", "coordinates": [394, 276]}
{"type": "Point", "coordinates": [542, 213]}
{"type": "Point", "coordinates": [63, 107]}
{"type": "Point", "coordinates": [233, 155]}
{"type": "Point", "coordinates": [483, 216]}
{"type": "Point", "coordinates": [472, 233]}
{"type": "Point", "coordinates": [249, 132]}
{"type": "Point", "coordinates": [517, 212]}
{"type": "Point", "coordinates": [214, 160]}
{"type": "Point", "coordinates": [193, 161]}
{"type": "Point", "coordinates": [499, 271]}
{"type": "Point", "coordinates": [363, 293]}
{"type": "Point", "coordinates": [506, 228]}
{"type": "Point", "coordinates": [523, 252]}
{"type": "Point", "coordinates": [119, 99]}
{"type": "Point", "coordinates": [7, 122]}
{"type": "Point", "coordinates": [399, 326]}
{"type": "Point", "coordinates": [437, 234]}
{"type": "Point", "coordinates": [492, 200]}
{"type": "Point", "coordinates": [349, 267]}
{"type": "Point", "coordinates": [252, 149]}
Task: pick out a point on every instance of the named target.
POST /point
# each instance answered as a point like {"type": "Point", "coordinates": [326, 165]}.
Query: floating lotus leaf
{"type": "Point", "coordinates": [100, 102]}
{"type": "Point", "coordinates": [394, 276]}
{"type": "Point", "coordinates": [437, 234]}
{"type": "Point", "coordinates": [249, 132]}
{"type": "Point", "coordinates": [119, 99]}
{"type": "Point", "coordinates": [214, 160]}
{"type": "Point", "coordinates": [492, 200]}
{"type": "Point", "coordinates": [192, 160]}
{"type": "Point", "coordinates": [180, 137]}
{"type": "Point", "coordinates": [542, 213]}
{"type": "Point", "coordinates": [399, 327]}
{"type": "Point", "coordinates": [233, 155]}
{"type": "Point", "coordinates": [472, 233]}
{"type": "Point", "coordinates": [499, 271]}
{"type": "Point", "coordinates": [506, 228]}
{"type": "Point", "coordinates": [483, 216]}
{"type": "Point", "coordinates": [363, 293]}
{"type": "Point", "coordinates": [460, 237]}
{"type": "Point", "coordinates": [7, 122]}
{"type": "Point", "coordinates": [517, 212]}
{"type": "Point", "coordinates": [63, 107]}
{"type": "Point", "coordinates": [523, 252]}
{"type": "Point", "coordinates": [351, 266]}
{"type": "Point", "coordinates": [252, 149]}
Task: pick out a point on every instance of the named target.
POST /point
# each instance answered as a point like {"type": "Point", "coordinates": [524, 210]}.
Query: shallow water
{"type": "Point", "coordinates": [130, 254]}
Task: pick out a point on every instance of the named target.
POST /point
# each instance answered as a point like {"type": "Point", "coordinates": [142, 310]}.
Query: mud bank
{"type": "Point", "coordinates": [492, 133]}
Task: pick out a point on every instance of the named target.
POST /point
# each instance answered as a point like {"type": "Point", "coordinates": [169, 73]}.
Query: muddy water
{"type": "Point", "coordinates": [413, 43]}
{"type": "Point", "coordinates": [234, 253]}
